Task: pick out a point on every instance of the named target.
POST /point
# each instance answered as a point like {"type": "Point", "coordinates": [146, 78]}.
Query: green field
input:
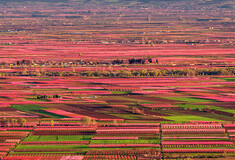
{"type": "Point", "coordinates": [189, 99]}
{"type": "Point", "coordinates": [152, 141]}
{"type": "Point", "coordinates": [36, 109]}
{"type": "Point", "coordinates": [228, 79]}
{"type": "Point", "coordinates": [193, 107]}
{"type": "Point", "coordinates": [184, 118]}
{"type": "Point", "coordinates": [32, 138]}
{"type": "Point", "coordinates": [27, 108]}
{"type": "Point", "coordinates": [121, 92]}
{"type": "Point", "coordinates": [59, 146]}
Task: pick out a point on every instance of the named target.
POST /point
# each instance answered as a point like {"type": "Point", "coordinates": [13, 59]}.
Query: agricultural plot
{"type": "Point", "coordinates": [185, 140]}
{"type": "Point", "coordinates": [122, 141]}
{"type": "Point", "coordinates": [154, 120]}
{"type": "Point", "coordinates": [10, 138]}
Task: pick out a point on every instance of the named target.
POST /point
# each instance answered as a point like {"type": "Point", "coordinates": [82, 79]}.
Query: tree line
{"type": "Point", "coordinates": [165, 72]}
{"type": "Point", "coordinates": [14, 122]}
{"type": "Point", "coordinates": [130, 73]}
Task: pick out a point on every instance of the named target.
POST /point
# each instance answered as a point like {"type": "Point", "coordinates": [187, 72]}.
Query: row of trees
{"type": "Point", "coordinates": [46, 96]}
{"type": "Point", "coordinates": [156, 72]}
{"type": "Point", "coordinates": [22, 121]}
{"type": "Point", "coordinates": [33, 63]}
{"type": "Point", "coordinates": [131, 73]}
{"type": "Point", "coordinates": [14, 122]}
{"type": "Point", "coordinates": [189, 156]}
{"type": "Point", "coordinates": [87, 121]}
{"type": "Point", "coordinates": [142, 61]}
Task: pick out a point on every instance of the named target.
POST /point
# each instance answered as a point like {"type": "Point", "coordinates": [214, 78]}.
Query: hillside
{"type": "Point", "coordinates": [222, 3]}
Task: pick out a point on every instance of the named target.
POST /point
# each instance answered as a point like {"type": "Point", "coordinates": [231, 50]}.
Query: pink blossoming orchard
{"type": "Point", "coordinates": [117, 80]}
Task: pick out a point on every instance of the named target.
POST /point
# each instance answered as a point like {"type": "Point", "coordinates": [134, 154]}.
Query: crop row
{"type": "Point", "coordinates": [113, 157]}
{"type": "Point", "coordinates": [127, 132]}
{"type": "Point", "coordinates": [131, 131]}
{"type": "Point", "coordinates": [59, 124]}
{"type": "Point", "coordinates": [4, 149]}
{"type": "Point", "coordinates": [121, 130]}
{"type": "Point", "coordinates": [49, 150]}
{"type": "Point", "coordinates": [196, 143]}
{"type": "Point", "coordinates": [113, 138]}
{"type": "Point", "coordinates": [65, 129]}
{"type": "Point", "coordinates": [125, 141]}
{"type": "Point", "coordinates": [202, 156]}
{"type": "Point", "coordinates": [69, 132]}
{"type": "Point", "coordinates": [198, 150]}
{"type": "Point", "coordinates": [231, 131]}
{"type": "Point", "coordinates": [204, 137]}
{"type": "Point", "coordinates": [16, 128]}
{"type": "Point", "coordinates": [14, 134]}
{"type": "Point", "coordinates": [12, 140]}
{"type": "Point", "coordinates": [7, 144]}
{"type": "Point", "coordinates": [55, 142]}
{"type": "Point", "coordinates": [126, 128]}
{"type": "Point", "coordinates": [108, 120]}
{"type": "Point", "coordinates": [207, 126]}
{"type": "Point", "coordinates": [134, 124]}
{"type": "Point", "coordinates": [143, 135]}
{"type": "Point", "coordinates": [229, 125]}
{"type": "Point", "coordinates": [211, 131]}
{"type": "Point", "coordinates": [199, 146]}
{"type": "Point", "coordinates": [122, 145]}
{"type": "Point", "coordinates": [55, 127]}
{"type": "Point", "coordinates": [54, 157]}
{"type": "Point", "coordinates": [18, 154]}
{"type": "Point", "coordinates": [173, 135]}
{"type": "Point", "coordinates": [122, 152]}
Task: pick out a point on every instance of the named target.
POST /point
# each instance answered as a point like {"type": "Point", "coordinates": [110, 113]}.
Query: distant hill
{"type": "Point", "coordinates": [116, 1]}
{"type": "Point", "coordinates": [220, 3]}
{"type": "Point", "coordinates": [231, 6]}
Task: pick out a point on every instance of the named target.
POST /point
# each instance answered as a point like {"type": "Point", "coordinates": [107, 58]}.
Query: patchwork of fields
{"type": "Point", "coordinates": [117, 80]}
{"type": "Point", "coordinates": [120, 140]}
{"type": "Point", "coordinates": [100, 118]}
